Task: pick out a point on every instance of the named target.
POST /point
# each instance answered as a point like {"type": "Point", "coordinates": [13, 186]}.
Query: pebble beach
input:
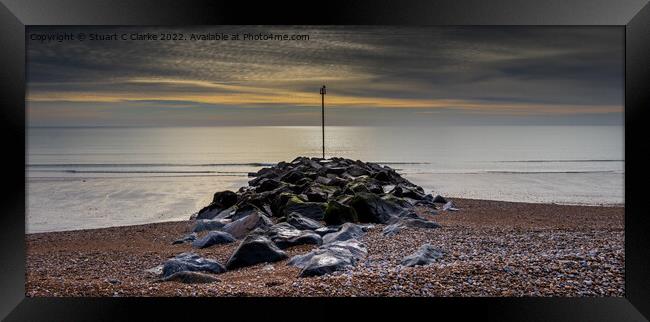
{"type": "Point", "coordinates": [491, 248]}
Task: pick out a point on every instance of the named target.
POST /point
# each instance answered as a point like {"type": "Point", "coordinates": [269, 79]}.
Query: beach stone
{"type": "Point", "coordinates": [371, 208]}
{"type": "Point", "coordinates": [213, 238]}
{"type": "Point", "coordinates": [241, 227]}
{"type": "Point", "coordinates": [347, 231]}
{"type": "Point", "coordinates": [285, 235]}
{"type": "Point", "coordinates": [301, 222]}
{"type": "Point", "coordinates": [190, 277]}
{"type": "Point", "coordinates": [425, 255]}
{"type": "Point", "coordinates": [449, 206]}
{"type": "Point", "coordinates": [190, 262]}
{"type": "Point", "coordinates": [255, 248]}
{"type": "Point", "coordinates": [312, 210]}
{"type": "Point", "coordinates": [209, 224]}
{"type": "Point", "coordinates": [187, 238]}
{"type": "Point", "coordinates": [337, 213]}
{"type": "Point", "coordinates": [326, 259]}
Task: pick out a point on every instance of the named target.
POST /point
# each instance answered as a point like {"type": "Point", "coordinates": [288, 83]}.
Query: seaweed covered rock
{"type": "Point", "coordinates": [371, 208]}
{"type": "Point", "coordinates": [337, 213]}
{"type": "Point", "coordinates": [312, 210]}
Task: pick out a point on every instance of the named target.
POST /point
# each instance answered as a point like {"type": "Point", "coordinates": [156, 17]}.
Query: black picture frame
{"type": "Point", "coordinates": [633, 15]}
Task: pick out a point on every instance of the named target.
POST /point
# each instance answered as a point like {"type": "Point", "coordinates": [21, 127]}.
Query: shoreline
{"type": "Point", "coordinates": [604, 205]}
{"type": "Point", "coordinates": [492, 248]}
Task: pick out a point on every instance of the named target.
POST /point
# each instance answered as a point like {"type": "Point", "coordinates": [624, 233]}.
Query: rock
{"type": "Point", "coordinates": [187, 238]}
{"type": "Point", "coordinates": [347, 231]}
{"type": "Point", "coordinates": [241, 227]}
{"type": "Point", "coordinates": [337, 213]}
{"type": "Point", "coordinates": [301, 222]}
{"type": "Point", "coordinates": [190, 277]}
{"type": "Point", "coordinates": [209, 224]}
{"type": "Point", "coordinates": [412, 192]}
{"type": "Point", "coordinates": [254, 249]}
{"type": "Point", "coordinates": [392, 229]}
{"type": "Point", "coordinates": [323, 180]}
{"type": "Point", "coordinates": [335, 170]}
{"type": "Point", "coordinates": [239, 211]}
{"type": "Point", "coordinates": [267, 185]}
{"type": "Point", "coordinates": [156, 271]}
{"type": "Point", "coordinates": [329, 258]}
{"type": "Point", "coordinates": [292, 177]}
{"type": "Point", "coordinates": [402, 202]}
{"type": "Point", "coordinates": [312, 210]}
{"type": "Point", "coordinates": [207, 212]}
{"type": "Point", "coordinates": [382, 176]}
{"type": "Point", "coordinates": [285, 235]}
{"type": "Point", "coordinates": [220, 201]}
{"type": "Point", "coordinates": [425, 255]}
{"type": "Point", "coordinates": [357, 171]}
{"type": "Point", "coordinates": [449, 207]}
{"type": "Point", "coordinates": [213, 238]}
{"type": "Point", "coordinates": [190, 262]}
{"type": "Point", "coordinates": [439, 199]}
{"type": "Point", "coordinates": [405, 222]}
{"type": "Point", "coordinates": [419, 223]}
{"type": "Point", "coordinates": [327, 230]}
{"type": "Point", "coordinates": [224, 199]}
{"type": "Point", "coordinates": [371, 208]}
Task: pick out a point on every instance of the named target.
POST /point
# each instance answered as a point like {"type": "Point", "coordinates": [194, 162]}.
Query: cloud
{"type": "Point", "coordinates": [499, 70]}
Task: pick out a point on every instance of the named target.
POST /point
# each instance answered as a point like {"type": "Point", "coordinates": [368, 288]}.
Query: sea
{"type": "Point", "coordinates": [94, 177]}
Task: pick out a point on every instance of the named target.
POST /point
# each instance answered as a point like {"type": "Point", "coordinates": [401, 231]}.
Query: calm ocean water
{"type": "Point", "coordinates": [99, 177]}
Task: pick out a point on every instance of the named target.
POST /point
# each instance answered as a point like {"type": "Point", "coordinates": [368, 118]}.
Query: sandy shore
{"type": "Point", "coordinates": [491, 248]}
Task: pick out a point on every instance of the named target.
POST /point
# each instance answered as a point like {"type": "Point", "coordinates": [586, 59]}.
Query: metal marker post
{"type": "Point", "coordinates": [322, 95]}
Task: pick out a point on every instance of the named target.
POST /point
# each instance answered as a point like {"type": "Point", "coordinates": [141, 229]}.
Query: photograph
{"type": "Point", "coordinates": [325, 161]}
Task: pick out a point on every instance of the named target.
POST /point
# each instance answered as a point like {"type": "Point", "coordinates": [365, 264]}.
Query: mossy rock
{"type": "Point", "coordinates": [337, 213]}
{"type": "Point", "coordinates": [373, 209]}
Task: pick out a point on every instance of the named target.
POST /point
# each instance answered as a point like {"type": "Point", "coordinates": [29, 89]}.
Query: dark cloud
{"type": "Point", "coordinates": [569, 67]}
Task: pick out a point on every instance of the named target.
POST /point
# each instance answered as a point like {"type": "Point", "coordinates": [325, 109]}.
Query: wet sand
{"type": "Point", "coordinates": [491, 248]}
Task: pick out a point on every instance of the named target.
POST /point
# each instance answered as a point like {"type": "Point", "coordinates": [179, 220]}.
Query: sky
{"type": "Point", "coordinates": [405, 76]}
